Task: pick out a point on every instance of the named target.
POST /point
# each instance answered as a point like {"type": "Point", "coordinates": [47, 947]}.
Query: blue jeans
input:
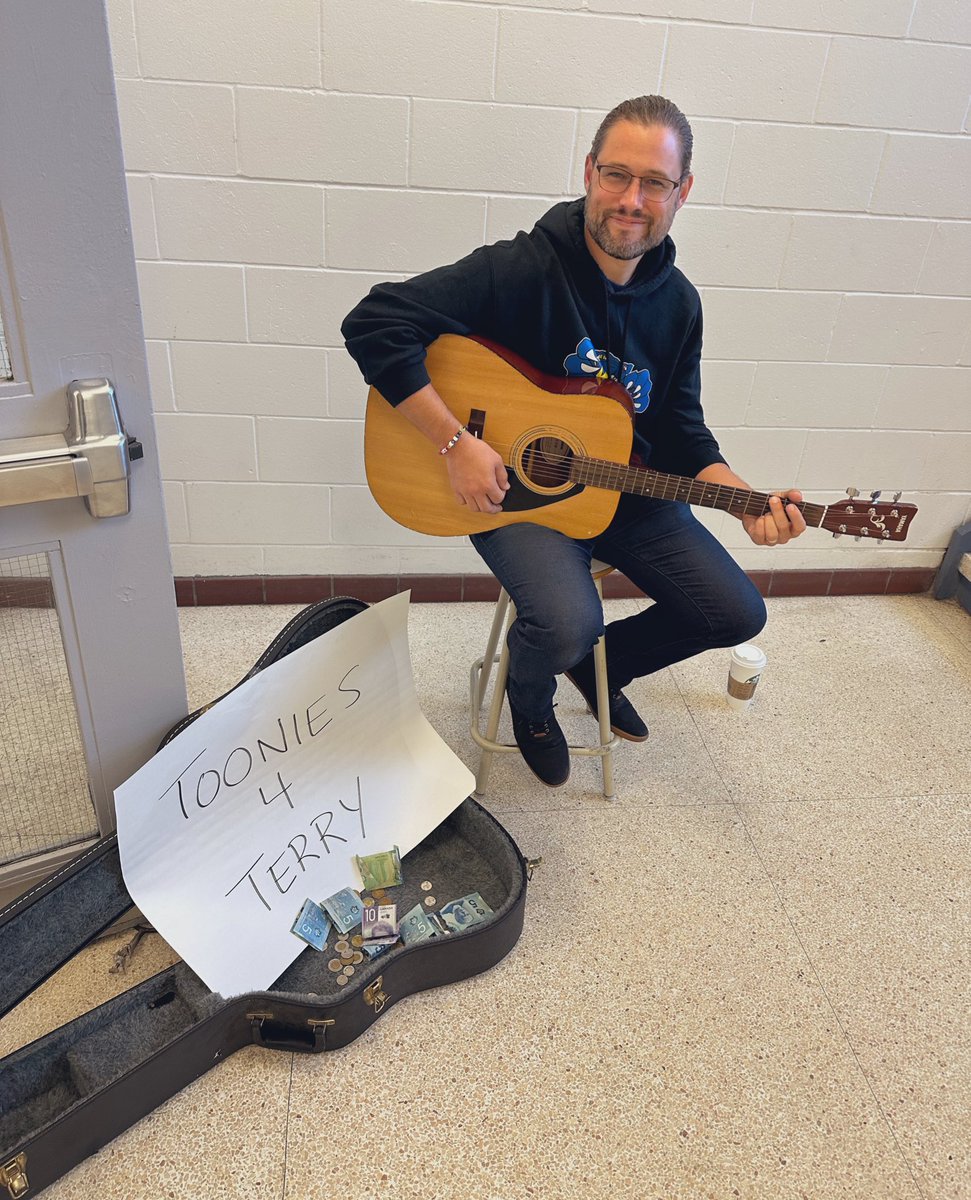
{"type": "Point", "coordinates": [702, 598]}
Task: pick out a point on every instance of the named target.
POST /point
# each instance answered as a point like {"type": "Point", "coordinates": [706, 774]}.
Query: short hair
{"type": "Point", "coordinates": [649, 110]}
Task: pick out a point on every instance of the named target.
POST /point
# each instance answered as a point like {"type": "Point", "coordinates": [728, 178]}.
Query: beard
{"type": "Point", "coordinates": [621, 247]}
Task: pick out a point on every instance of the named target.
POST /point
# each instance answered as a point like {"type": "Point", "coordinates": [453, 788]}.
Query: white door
{"type": "Point", "coordinates": [91, 669]}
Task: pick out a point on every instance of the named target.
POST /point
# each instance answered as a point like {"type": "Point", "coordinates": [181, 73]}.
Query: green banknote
{"type": "Point", "coordinates": [382, 870]}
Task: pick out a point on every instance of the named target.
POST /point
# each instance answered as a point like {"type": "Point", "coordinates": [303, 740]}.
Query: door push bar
{"type": "Point", "coordinates": [91, 458]}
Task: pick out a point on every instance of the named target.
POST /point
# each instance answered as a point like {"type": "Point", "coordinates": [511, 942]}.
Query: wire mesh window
{"type": "Point", "coordinates": [45, 803]}
{"type": "Point", "coordinates": [6, 370]}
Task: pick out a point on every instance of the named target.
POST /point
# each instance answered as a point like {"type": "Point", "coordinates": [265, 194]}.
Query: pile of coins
{"type": "Point", "coordinates": [350, 959]}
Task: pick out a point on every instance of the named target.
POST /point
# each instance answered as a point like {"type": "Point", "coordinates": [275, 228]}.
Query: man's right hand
{"type": "Point", "coordinates": [477, 474]}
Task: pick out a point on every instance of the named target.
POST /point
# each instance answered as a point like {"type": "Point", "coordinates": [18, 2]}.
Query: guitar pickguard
{"type": "Point", "coordinates": [522, 498]}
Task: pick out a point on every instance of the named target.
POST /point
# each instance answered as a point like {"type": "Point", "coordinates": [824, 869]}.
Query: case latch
{"type": "Point", "coordinates": [13, 1176]}
{"type": "Point", "coordinates": [374, 995]}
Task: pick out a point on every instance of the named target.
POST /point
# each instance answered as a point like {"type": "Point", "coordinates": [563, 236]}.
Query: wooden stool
{"type": "Point", "coordinates": [481, 671]}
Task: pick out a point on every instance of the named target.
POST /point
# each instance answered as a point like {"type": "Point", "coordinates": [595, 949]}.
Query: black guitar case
{"type": "Point", "coordinates": [70, 1092]}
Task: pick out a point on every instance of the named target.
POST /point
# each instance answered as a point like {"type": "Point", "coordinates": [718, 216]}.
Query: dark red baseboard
{"type": "Point", "coordinates": [305, 589]}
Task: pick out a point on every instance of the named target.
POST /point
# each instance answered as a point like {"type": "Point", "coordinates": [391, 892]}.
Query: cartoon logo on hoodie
{"type": "Point", "coordinates": [586, 362]}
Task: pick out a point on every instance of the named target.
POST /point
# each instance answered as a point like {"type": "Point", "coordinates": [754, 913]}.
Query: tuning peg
{"type": "Point", "coordinates": [896, 496]}
{"type": "Point", "coordinates": [852, 492]}
{"type": "Point", "coordinates": [875, 496]}
{"type": "Point", "coordinates": [837, 535]}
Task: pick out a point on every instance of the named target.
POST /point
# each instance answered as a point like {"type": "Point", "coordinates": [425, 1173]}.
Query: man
{"type": "Point", "coordinates": [591, 290]}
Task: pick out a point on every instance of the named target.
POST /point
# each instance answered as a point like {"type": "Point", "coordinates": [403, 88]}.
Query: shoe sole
{"type": "Point", "coordinates": [621, 733]}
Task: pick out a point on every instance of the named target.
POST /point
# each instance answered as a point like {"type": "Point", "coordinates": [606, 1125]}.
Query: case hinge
{"type": "Point", "coordinates": [13, 1176]}
{"type": "Point", "coordinates": [374, 995]}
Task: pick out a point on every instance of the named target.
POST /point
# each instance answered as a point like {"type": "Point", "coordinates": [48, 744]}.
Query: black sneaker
{"type": "Point", "coordinates": [624, 718]}
{"type": "Point", "coordinates": [543, 746]}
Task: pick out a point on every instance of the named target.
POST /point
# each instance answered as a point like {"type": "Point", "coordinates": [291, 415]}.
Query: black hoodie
{"type": "Point", "coordinates": [544, 297]}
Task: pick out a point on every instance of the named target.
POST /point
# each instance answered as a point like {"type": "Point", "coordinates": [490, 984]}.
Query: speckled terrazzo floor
{"type": "Point", "coordinates": [748, 977]}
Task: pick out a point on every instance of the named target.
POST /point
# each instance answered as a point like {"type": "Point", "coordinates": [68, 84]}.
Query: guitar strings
{"type": "Point", "coordinates": [557, 469]}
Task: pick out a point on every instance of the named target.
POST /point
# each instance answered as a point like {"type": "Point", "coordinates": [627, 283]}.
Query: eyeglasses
{"type": "Point", "coordinates": [616, 179]}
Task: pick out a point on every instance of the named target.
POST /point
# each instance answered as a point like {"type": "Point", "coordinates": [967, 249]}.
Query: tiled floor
{"type": "Point", "coordinates": [748, 977]}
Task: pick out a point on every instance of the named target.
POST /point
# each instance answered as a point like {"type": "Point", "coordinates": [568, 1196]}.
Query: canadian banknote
{"type": "Point", "coordinates": [382, 870]}
{"type": "Point", "coordinates": [312, 925]}
{"type": "Point", "coordinates": [344, 908]}
{"type": "Point", "coordinates": [379, 925]}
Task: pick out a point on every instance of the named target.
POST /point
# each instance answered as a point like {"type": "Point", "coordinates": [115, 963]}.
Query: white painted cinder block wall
{"type": "Point", "coordinates": [285, 155]}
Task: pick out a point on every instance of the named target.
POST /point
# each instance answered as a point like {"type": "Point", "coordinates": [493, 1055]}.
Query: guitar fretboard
{"type": "Point", "coordinates": [642, 481]}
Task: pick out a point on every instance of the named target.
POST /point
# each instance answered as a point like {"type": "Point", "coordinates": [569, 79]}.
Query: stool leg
{"type": "Point", "coordinates": [498, 693]}
{"type": "Point", "coordinates": [603, 709]}
{"type": "Point", "coordinates": [489, 658]}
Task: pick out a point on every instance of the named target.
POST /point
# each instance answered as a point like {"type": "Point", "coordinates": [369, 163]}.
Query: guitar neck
{"type": "Point", "coordinates": [642, 481]}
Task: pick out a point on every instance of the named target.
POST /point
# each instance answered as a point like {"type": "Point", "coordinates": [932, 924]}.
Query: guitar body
{"type": "Point", "coordinates": [535, 421]}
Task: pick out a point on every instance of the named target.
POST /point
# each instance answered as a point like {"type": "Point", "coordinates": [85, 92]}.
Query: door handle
{"type": "Point", "coordinates": [91, 458]}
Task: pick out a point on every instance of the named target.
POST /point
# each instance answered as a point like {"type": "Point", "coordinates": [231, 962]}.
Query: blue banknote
{"type": "Point", "coordinates": [311, 925]}
{"type": "Point", "coordinates": [465, 912]}
{"type": "Point", "coordinates": [416, 926]}
{"type": "Point", "coordinates": [345, 909]}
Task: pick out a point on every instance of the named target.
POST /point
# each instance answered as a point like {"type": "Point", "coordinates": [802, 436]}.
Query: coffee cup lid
{"type": "Point", "coordinates": [748, 655]}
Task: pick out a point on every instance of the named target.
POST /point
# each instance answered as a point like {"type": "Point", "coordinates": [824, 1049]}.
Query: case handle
{"type": "Point", "coordinates": [277, 1035]}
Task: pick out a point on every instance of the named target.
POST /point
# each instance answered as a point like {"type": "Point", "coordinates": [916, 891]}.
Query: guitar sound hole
{"type": "Point", "coordinates": [546, 462]}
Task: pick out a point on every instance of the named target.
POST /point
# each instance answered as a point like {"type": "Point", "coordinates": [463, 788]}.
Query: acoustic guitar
{"type": "Point", "coordinates": [566, 444]}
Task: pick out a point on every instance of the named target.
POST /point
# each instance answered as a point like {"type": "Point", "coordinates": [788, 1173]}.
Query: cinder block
{"type": "Point", "coordinates": [713, 142]}
{"type": "Point", "coordinates": [900, 329]}
{"type": "Point", "coordinates": [942, 21]}
{"type": "Point", "coordinates": [357, 520]}
{"type": "Point", "coordinates": [325, 139]}
{"type": "Point", "coordinates": [535, 47]}
{"type": "Point", "coordinates": [723, 11]}
{"type": "Point", "coordinates": [197, 303]}
{"type": "Point", "coordinates": [259, 513]}
{"type": "Point", "coordinates": [938, 515]}
{"type": "Point", "coordinates": [855, 254]}
{"type": "Point", "coordinates": [725, 391]}
{"type": "Point", "coordinates": [214, 221]}
{"type": "Point", "coordinates": [143, 235]}
{"type": "Point", "coordinates": [816, 395]}
{"type": "Point", "coordinates": [181, 127]}
{"type": "Point", "coordinates": [440, 556]}
{"type": "Point", "coordinates": [331, 560]}
{"type": "Point", "coordinates": [260, 380]}
{"type": "Point", "coordinates": [925, 398]}
{"type": "Point", "coordinates": [766, 458]}
{"type": "Point", "coordinates": [768, 325]}
{"type": "Point", "coordinates": [507, 215]}
{"type": "Point", "coordinates": [564, 4]}
{"type": "Point", "coordinates": [873, 81]}
{"type": "Point", "coordinates": [471, 146]}
{"type": "Point", "coordinates": [206, 447]}
{"type": "Point", "coordinates": [725, 247]}
{"type": "Point", "coordinates": [924, 176]}
{"type": "Point", "coordinates": [160, 376]}
{"type": "Point", "coordinates": [322, 451]}
{"type": "Point", "coordinates": [173, 495]}
{"type": "Point", "coordinates": [121, 30]}
{"type": "Point", "coordinates": [409, 48]}
{"type": "Point", "coordinates": [878, 18]}
{"type": "Point", "coordinates": [947, 267]}
{"type": "Point", "coordinates": [217, 560]}
{"type": "Point", "coordinates": [303, 308]}
{"type": "Point", "coordinates": [235, 41]}
{"type": "Point", "coordinates": [865, 459]}
{"type": "Point", "coordinates": [743, 73]}
{"type": "Point", "coordinates": [384, 230]}
{"type": "Point", "coordinates": [346, 390]}
{"type": "Point", "coordinates": [947, 465]}
{"type": "Point", "coordinates": [787, 166]}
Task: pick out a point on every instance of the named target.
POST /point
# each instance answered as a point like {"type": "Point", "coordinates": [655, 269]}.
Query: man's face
{"type": "Point", "coordinates": [625, 225]}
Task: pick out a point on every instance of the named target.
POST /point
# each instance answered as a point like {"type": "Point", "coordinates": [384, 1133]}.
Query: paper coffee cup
{"type": "Point", "coordinates": [744, 673]}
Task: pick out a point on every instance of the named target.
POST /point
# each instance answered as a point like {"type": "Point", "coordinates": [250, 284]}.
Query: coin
{"type": "Point", "coordinates": [334, 964]}
{"type": "Point", "coordinates": [357, 940]}
{"type": "Point", "coordinates": [367, 901]}
{"type": "Point", "coordinates": [430, 901]}
{"type": "Point", "coordinates": [426, 886]}
{"type": "Point", "coordinates": [342, 980]}
{"type": "Point", "coordinates": [358, 957]}
{"type": "Point", "coordinates": [347, 956]}
{"type": "Point", "coordinates": [349, 970]}
{"type": "Point", "coordinates": [342, 946]}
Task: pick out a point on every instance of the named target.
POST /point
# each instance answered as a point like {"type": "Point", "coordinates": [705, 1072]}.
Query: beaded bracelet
{"type": "Point", "coordinates": [453, 439]}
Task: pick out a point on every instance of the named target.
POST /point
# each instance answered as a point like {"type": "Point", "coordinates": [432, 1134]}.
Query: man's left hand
{"type": "Point", "coordinates": [781, 523]}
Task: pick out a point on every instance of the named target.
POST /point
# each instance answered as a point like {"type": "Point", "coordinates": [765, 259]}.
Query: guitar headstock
{"type": "Point", "coordinates": [886, 522]}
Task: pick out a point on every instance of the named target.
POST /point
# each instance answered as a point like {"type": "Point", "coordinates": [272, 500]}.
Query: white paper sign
{"type": "Point", "coordinates": [262, 801]}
